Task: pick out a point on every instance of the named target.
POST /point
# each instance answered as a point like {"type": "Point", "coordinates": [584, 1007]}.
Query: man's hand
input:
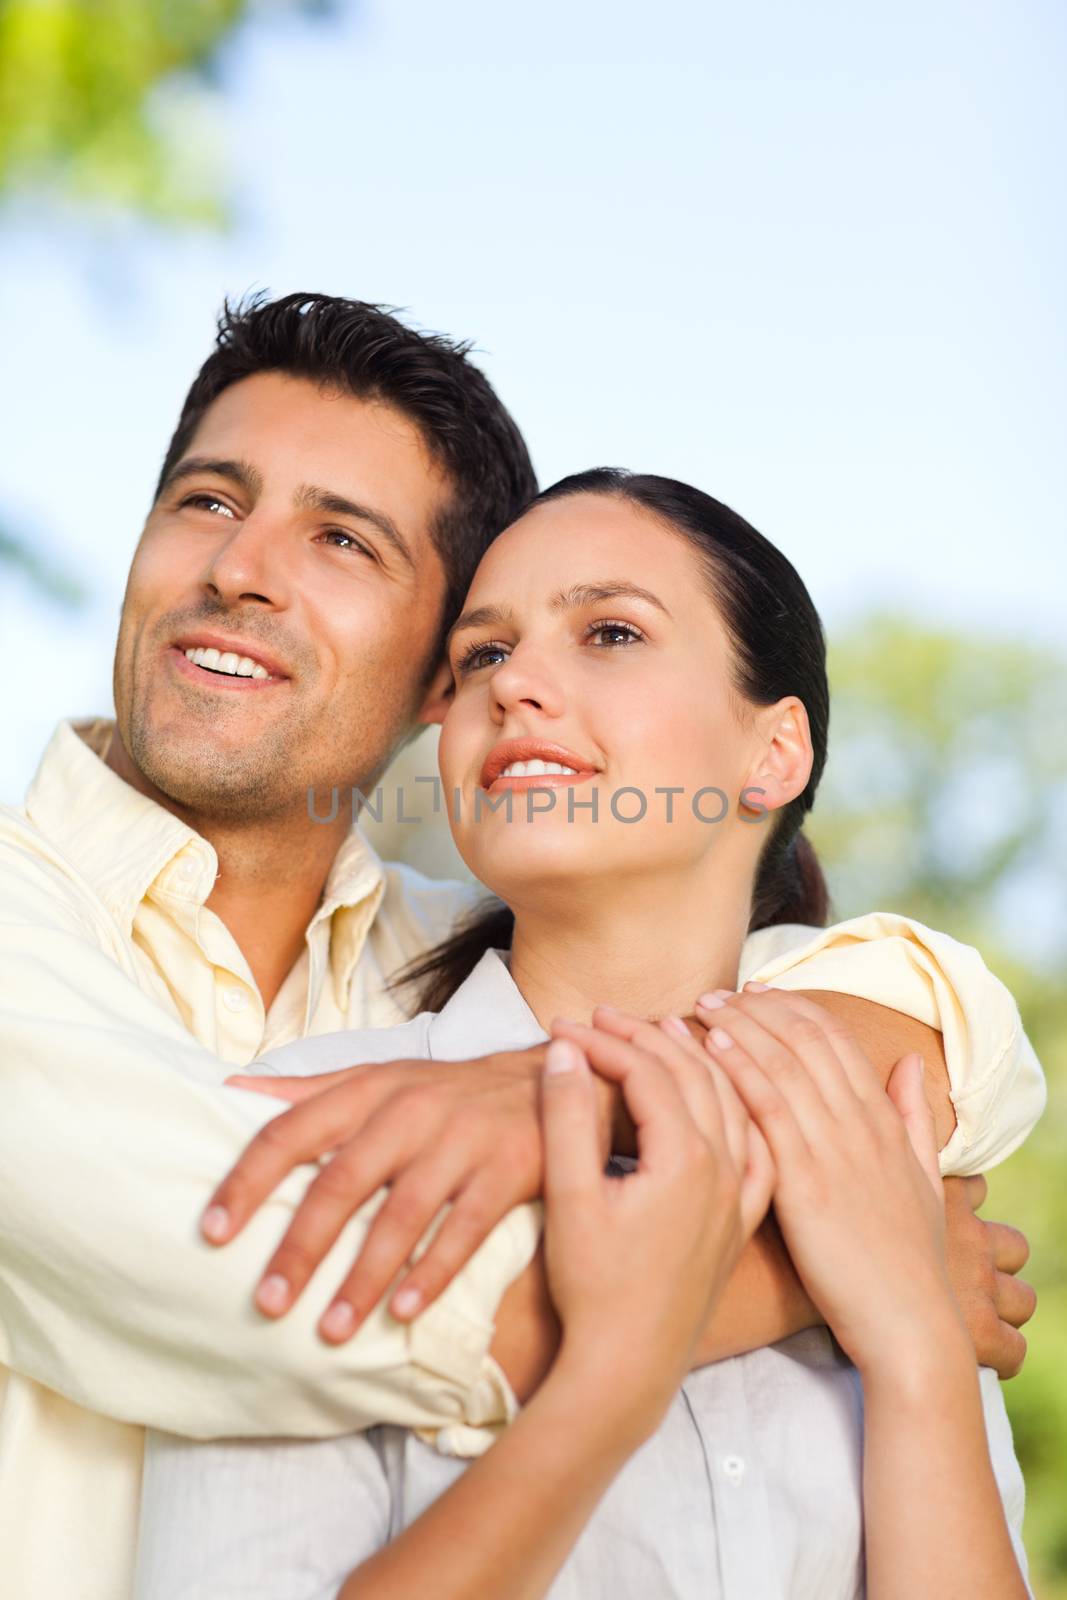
{"type": "Point", "coordinates": [464, 1132]}
{"type": "Point", "coordinates": [983, 1260]}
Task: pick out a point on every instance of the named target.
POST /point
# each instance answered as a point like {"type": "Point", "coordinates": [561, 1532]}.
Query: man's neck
{"type": "Point", "coordinates": [272, 873]}
{"type": "Point", "coordinates": [649, 948]}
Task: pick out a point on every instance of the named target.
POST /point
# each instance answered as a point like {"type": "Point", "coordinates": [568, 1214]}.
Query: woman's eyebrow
{"type": "Point", "coordinates": [592, 594]}
{"type": "Point", "coordinates": [481, 617]}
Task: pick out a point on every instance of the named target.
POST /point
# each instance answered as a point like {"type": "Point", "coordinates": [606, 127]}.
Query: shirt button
{"type": "Point", "coordinates": [235, 1000]}
{"type": "Point", "coordinates": [733, 1468]}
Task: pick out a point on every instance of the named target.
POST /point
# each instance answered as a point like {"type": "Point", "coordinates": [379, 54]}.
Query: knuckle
{"type": "Point", "coordinates": [406, 1210]}
{"type": "Point", "coordinates": [803, 1030]}
{"type": "Point", "coordinates": [339, 1181]}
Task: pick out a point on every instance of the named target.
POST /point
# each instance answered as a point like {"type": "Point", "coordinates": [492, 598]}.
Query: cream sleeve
{"type": "Point", "coordinates": [114, 1131]}
{"type": "Point", "coordinates": [996, 1083]}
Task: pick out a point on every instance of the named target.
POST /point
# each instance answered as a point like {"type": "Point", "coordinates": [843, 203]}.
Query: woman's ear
{"type": "Point", "coordinates": [438, 695]}
{"type": "Point", "coordinates": [783, 766]}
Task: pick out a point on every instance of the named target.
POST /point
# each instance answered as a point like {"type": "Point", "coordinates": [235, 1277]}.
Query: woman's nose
{"type": "Point", "coordinates": [524, 681]}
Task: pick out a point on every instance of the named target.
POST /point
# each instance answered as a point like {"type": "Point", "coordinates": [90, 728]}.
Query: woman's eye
{"type": "Point", "coordinates": [613, 634]}
{"type": "Point", "coordinates": [208, 502]}
{"type": "Point", "coordinates": [481, 655]}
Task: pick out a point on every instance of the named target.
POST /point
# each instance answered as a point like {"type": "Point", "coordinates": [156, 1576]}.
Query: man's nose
{"type": "Point", "coordinates": [248, 564]}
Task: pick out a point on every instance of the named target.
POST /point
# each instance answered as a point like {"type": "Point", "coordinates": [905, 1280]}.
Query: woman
{"type": "Point", "coordinates": [661, 667]}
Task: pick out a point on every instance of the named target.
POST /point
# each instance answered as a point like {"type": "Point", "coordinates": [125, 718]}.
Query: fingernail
{"type": "Point", "coordinates": [758, 988]}
{"type": "Point", "coordinates": [272, 1295]}
{"type": "Point", "coordinates": [562, 1056]}
{"type": "Point", "coordinates": [710, 1001]}
{"type": "Point", "coordinates": [674, 1025]}
{"type": "Point", "coordinates": [215, 1223]}
{"type": "Point", "coordinates": [406, 1302]}
{"type": "Point", "coordinates": [338, 1321]}
{"type": "Point", "coordinates": [720, 1038]}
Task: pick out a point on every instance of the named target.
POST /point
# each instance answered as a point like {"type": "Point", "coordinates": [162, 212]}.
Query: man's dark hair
{"type": "Point", "coordinates": [365, 351]}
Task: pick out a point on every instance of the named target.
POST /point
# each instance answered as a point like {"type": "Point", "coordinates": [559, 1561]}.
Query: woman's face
{"type": "Point", "coordinates": [589, 641]}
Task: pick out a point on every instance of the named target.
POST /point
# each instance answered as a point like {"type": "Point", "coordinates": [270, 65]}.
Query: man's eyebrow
{"type": "Point", "coordinates": [240, 472]}
{"type": "Point", "coordinates": [310, 498]}
{"type": "Point", "coordinates": [481, 617]}
{"type": "Point", "coordinates": [593, 594]}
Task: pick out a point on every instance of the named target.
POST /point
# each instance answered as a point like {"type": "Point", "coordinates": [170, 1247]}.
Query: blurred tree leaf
{"type": "Point", "coordinates": [112, 104]}
{"type": "Point", "coordinates": [112, 101]}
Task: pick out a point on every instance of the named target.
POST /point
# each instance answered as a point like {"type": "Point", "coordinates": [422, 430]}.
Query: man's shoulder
{"type": "Point", "coordinates": [38, 883]}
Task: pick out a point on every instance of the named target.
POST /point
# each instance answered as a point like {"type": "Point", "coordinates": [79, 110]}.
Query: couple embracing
{"type": "Point", "coordinates": [618, 1236]}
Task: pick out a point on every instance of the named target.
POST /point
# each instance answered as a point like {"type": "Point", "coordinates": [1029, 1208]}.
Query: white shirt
{"type": "Point", "coordinates": [750, 1489]}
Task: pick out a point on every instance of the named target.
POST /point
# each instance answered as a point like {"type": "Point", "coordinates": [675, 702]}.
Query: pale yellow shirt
{"type": "Point", "coordinates": [124, 1002]}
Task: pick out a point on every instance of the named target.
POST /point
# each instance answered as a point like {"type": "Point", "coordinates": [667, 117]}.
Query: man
{"type": "Point", "coordinates": [169, 912]}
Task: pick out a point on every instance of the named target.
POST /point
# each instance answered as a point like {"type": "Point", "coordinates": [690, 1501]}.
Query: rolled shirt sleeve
{"type": "Point", "coordinates": [114, 1132]}
{"type": "Point", "coordinates": [996, 1083]}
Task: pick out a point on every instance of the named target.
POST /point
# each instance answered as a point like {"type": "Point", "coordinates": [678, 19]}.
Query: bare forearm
{"type": "Point", "coordinates": [934, 1521]}
{"type": "Point", "coordinates": [763, 1301]}
{"type": "Point", "coordinates": [505, 1528]}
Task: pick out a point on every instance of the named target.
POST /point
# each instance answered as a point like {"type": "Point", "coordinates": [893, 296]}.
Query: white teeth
{"type": "Point", "coordinates": [236, 666]}
{"type": "Point", "coordinates": [535, 769]}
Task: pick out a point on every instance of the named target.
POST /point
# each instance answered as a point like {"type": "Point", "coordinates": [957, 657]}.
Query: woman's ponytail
{"type": "Point", "coordinates": [790, 887]}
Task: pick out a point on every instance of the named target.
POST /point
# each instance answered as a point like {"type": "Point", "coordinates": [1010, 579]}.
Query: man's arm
{"type": "Point", "coordinates": [112, 1134]}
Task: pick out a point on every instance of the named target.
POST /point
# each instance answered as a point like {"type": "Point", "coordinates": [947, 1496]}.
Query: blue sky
{"type": "Point", "coordinates": [810, 258]}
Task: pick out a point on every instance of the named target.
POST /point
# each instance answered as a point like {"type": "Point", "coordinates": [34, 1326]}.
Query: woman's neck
{"type": "Point", "coordinates": [649, 948]}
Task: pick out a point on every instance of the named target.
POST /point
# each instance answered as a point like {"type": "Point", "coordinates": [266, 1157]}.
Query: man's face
{"type": "Point", "coordinates": [293, 537]}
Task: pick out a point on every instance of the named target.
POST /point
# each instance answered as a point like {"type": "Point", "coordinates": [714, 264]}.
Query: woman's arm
{"type": "Point", "coordinates": [676, 1226]}
{"type": "Point", "coordinates": [870, 1251]}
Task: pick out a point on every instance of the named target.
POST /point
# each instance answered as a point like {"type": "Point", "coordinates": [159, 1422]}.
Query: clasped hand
{"type": "Point", "coordinates": [468, 1136]}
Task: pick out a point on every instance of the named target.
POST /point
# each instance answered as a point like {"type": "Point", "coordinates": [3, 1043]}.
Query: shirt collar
{"type": "Point", "coordinates": [118, 839]}
{"type": "Point", "coordinates": [487, 1012]}
{"type": "Point", "coordinates": [122, 842]}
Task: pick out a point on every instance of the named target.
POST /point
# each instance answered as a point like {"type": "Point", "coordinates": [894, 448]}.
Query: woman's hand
{"type": "Point", "coordinates": [635, 1263]}
{"type": "Point", "coordinates": [858, 1194]}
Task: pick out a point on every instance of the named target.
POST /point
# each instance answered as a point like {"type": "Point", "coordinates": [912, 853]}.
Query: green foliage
{"type": "Point", "coordinates": [944, 798]}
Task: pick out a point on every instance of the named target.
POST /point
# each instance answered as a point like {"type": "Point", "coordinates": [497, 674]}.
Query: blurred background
{"type": "Point", "coordinates": [810, 258]}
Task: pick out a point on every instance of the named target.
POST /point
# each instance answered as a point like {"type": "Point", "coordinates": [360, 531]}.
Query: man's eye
{"type": "Point", "coordinates": [208, 502]}
{"type": "Point", "coordinates": [343, 540]}
{"type": "Point", "coordinates": [481, 655]}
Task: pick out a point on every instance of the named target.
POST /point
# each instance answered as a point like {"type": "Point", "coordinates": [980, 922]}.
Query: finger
{"type": "Point", "coordinates": [345, 1183]}
{"type": "Point", "coordinates": [1009, 1352]}
{"type": "Point", "coordinates": [964, 1194]}
{"type": "Point", "coordinates": [740, 1036]}
{"type": "Point", "coordinates": [769, 1109]}
{"type": "Point", "coordinates": [735, 1119]}
{"type": "Point", "coordinates": [802, 1035]}
{"type": "Point", "coordinates": [788, 1016]}
{"type": "Point", "coordinates": [757, 1184]}
{"type": "Point", "coordinates": [653, 1098]}
{"type": "Point", "coordinates": [303, 1133]}
{"type": "Point", "coordinates": [905, 1090]}
{"type": "Point", "coordinates": [1011, 1249]}
{"type": "Point", "coordinates": [749, 1152]}
{"type": "Point", "coordinates": [412, 1204]}
{"type": "Point", "coordinates": [671, 1043]}
{"type": "Point", "coordinates": [1015, 1299]}
{"type": "Point", "coordinates": [475, 1213]}
{"type": "Point", "coordinates": [573, 1165]}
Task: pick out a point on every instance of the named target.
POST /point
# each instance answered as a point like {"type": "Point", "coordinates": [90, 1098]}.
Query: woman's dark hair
{"type": "Point", "coordinates": [778, 650]}
{"type": "Point", "coordinates": [365, 351]}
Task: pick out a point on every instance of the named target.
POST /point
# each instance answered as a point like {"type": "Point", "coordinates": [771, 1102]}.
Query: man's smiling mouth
{"type": "Point", "coordinates": [226, 662]}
